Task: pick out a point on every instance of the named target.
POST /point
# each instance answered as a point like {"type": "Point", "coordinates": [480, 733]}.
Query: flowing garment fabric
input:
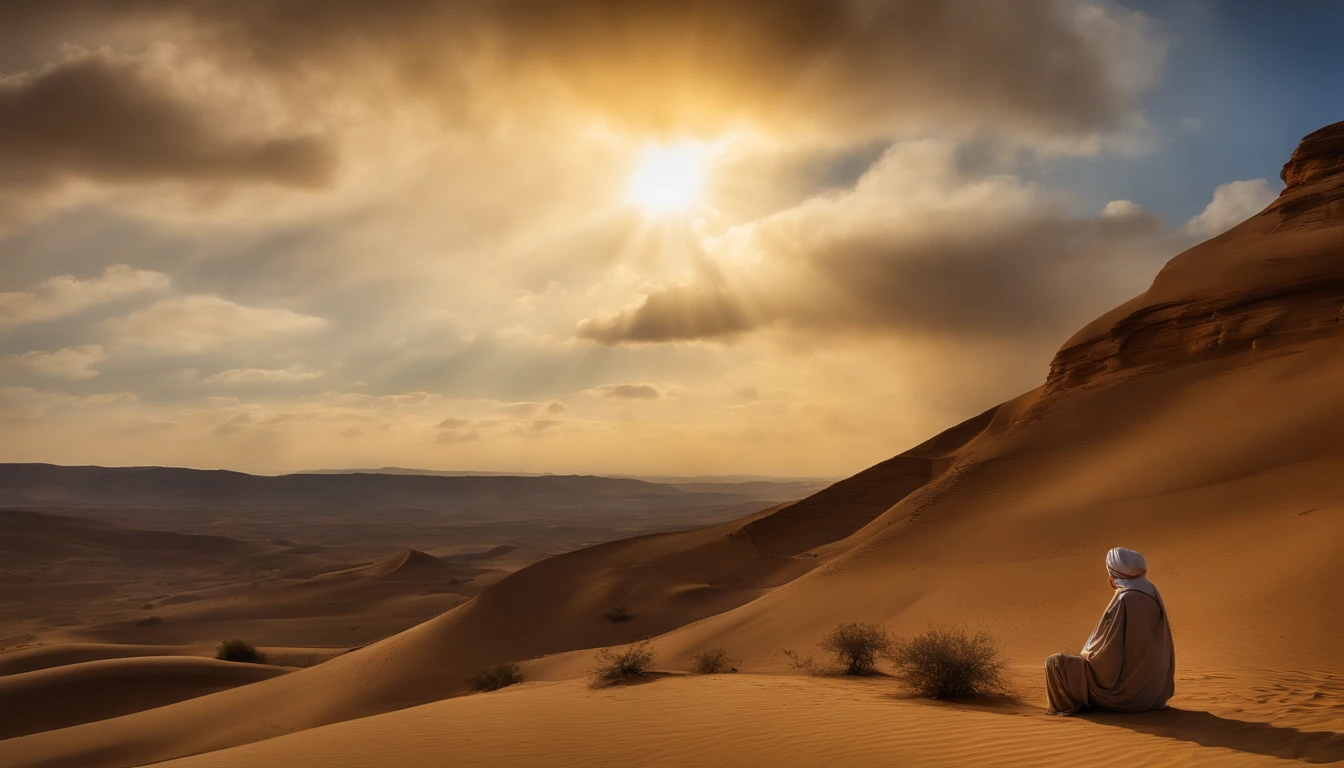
{"type": "Point", "coordinates": [1127, 665]}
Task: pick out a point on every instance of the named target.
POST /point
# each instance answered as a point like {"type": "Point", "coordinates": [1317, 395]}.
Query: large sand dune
{"type": "Point", "coordinates": [749, 720]}
{"type": "Point", "coordinates": [1199, 423]}
{"type": "Point", "coordinates": [47, 656]}
{"type": "Point", "coordinates": [97, 690]}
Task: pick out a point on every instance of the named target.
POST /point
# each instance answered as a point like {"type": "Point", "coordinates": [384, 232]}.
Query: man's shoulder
{"type": "Point", "coordinates": [1137, 598]}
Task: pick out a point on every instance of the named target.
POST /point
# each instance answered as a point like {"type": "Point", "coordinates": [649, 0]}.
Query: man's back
{"type": "Point", "coordinates": [1139, 673]}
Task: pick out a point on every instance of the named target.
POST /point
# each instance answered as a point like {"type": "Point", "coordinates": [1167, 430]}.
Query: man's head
{"type": "Point", "coordinates": [1122, 563]}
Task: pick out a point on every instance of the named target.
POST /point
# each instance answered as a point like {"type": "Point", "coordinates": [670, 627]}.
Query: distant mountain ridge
{"type": "Point", "coordinates": [663, 479]}
{"type": "Point", "coordinates": [50, 485]}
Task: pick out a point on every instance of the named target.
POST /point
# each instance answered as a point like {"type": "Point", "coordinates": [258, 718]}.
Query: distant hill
{"type": "Point", "coordinates": [680, 480]}
{"type": "Point", "coordinates": [549, 513]}
{"type": "Point", "coordinates": [49, 484]}
{"type": "Point", "coordinates": [414, 471]}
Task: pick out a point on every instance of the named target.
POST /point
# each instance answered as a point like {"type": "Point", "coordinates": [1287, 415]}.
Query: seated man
{"type": "Point", "coordinates": [1129, 662]}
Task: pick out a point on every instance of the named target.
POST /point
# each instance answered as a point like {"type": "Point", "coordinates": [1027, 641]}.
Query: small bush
{"type": "Point", "coordinates": [149, 621]}
{"type": "Point", "coordinates": [494, 677]}
{"type": "Point", "coordinates": [950, 663]}
{"type": "Point", "coordinates": [300, 659]}
{"type": "Point", "coordinates": [239, 650]}
{"type": "Point", "coordinates": [713, 662]}
{"type": "Point", "coordinates": [858, 646]}
{"type": "Point", "coordinates": [614, 666]}
{"type": "Point", "coordinates": [617, 615]}
{"type": "Point", "coordinates": [798, 662]}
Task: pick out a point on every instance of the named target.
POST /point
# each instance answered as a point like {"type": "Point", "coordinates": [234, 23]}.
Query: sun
{"type": "Point", "coordinates": [669, 179]}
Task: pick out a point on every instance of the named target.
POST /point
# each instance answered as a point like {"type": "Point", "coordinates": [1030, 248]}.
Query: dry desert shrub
{"type": "Point", "coordinates": [796, 661]}
{"type": "Point", "coordinates": [858, 646]}
{"type": "Point", "coordinates": [496, 676]}
{"type": "Point", "coordinates": [239, 650]}
{"type": "Point", "coordinates": [950, 663]}
{"type": "Point", "coordinates": [614, 666]}
{"type": "Point", "coordinates": [713, 661]}
{"type": "Point", "coordinates": [300, 659]}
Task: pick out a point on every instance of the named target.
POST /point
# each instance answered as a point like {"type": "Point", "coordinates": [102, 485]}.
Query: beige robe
{"type": "Point", "coordinates": [1128, 666]}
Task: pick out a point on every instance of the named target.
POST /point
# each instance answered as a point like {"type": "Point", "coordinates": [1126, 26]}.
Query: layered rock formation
{"type": "Point", "coordinates": [1276, 277]}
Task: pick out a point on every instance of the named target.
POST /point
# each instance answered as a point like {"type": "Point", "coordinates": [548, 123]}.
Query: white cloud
{"type": "Point", "coordinates": [1232, 204]}
{"type": "Point", "coordinates": [197, 323]}
{"type": "Point", "coordinates": [263, 375]}
{"type": "Point", "coordinates": [1122, 209]}
{"type": "Point", "coordinates": [65, 295]}
{"type": "Point", "coordinates": [69, 363]}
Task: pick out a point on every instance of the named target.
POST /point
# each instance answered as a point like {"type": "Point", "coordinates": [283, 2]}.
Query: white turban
{"type": "Point", "coordinates": [1125, 564]}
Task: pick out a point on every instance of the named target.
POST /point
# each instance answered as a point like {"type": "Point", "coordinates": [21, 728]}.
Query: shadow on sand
{"type": "Point", "coordinates": [1210, 730]}
{"type": "Point", "coordinates": [631, 680]}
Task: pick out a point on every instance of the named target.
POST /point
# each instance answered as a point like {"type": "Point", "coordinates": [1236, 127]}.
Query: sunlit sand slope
{"type": "Point", "coordinates": [759, 721]}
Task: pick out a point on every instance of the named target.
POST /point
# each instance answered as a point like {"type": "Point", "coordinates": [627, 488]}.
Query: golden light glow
{"type": "Point", "coordinates": [669, 179]}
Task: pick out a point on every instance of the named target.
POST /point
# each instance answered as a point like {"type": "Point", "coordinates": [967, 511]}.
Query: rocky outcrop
{"type": "Point", "coordinates": [1276, 278]}
{"type": "Point", "coordinates": [1319, 156]}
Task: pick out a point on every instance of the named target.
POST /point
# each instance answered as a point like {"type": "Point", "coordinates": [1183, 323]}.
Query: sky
{"type": "Point", "coordinates": [773, 237]}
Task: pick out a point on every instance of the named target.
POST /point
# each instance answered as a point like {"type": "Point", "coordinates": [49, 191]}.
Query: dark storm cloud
{"type": "Point", "coordinates": [101, 117]}
{"type": "Point", "coordinates": [850, 66]}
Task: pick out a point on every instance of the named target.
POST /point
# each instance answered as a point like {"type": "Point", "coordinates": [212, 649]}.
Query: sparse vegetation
{"type": "Point", "coordinates": [799, 663]}
{"type": "Point", "coordinates": [713, 661]}
{"type": "Point", "coordinates": [239, 650]}
{"type": "Point", "coordinates": [950, 663]}
{"type": "Point", "coordinates": [617, 615]}
{"type": "Point", "coordinates": [149, 621]}
{"type": "Point", "coordinates": [302, 660]}
{"type": "Point", "coordinates": [858, 646]}
{"type": "Point", "coordinates": [619, 665]}
{"type": "Point", "coordinates": [496, 676]}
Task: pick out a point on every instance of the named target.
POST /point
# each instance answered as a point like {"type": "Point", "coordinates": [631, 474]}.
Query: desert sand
{"type": "Point", "coordinates": [300, 563]}
{"type": "Point", "coordinates": [752, 720]}
{"type": "Point", "coordinates": [97, 690]}
{"type": "Point", "coordinates": [1199, 423]}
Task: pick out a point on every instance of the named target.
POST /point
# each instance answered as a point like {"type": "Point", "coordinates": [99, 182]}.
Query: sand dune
{"type": "Point", "coordinates": [744, 720]}
{"type": "Point", "coordinates": [47, 656]}
{"type": "Point", "coordinates": [352, 606]}
{"type": "Point", "coordinates": [1198, 423]}
{"type": "Point", "coordinates": [840, 510]}
{"type": "Point", "coordinates": [96, 690]}
{"type": "Point", "coordinates": [412, 565]}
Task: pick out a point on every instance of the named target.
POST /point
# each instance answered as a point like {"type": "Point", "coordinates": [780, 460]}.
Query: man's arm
{"type": "Point", "coordinates": [1106, 656]}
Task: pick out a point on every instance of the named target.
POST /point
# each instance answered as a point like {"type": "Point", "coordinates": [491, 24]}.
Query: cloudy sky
{"type": "Point", "coordinates": [776, 237]}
